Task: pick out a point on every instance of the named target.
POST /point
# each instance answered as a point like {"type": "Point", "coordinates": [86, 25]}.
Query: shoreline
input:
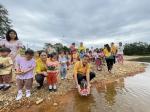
{"type": "Point", "coordinates": [8, 104]}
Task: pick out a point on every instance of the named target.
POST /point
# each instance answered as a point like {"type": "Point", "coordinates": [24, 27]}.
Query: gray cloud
{"type": "Point", "coordinates": [93, 22]}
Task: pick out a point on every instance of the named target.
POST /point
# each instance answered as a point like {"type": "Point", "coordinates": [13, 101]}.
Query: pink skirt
{"type": "Point", "coordinates": [98, 62]}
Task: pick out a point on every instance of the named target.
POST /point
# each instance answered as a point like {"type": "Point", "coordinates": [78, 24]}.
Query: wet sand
{"type": "Point", "coordinates": [58, 101]}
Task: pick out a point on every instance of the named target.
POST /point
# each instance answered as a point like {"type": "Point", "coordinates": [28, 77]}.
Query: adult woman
{"type": "Point", "coordinates": [109, 57]}
{"type": "Point", "coordinates": [12, 42]}
{"type": "Point", "coordinates": [82, 71]}
{"type": "Point", "coordinates": [113, 51]}
{"type": "Point", "coordinates": [81, 47]}
{"type": "Point", "coordinates": [41, 69]}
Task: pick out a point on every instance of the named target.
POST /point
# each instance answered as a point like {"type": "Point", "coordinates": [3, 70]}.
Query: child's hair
{"type": "Point", "coordinates": [90, 51]}
{"type": "Point", "coordinates": [120, 43]}
{"type": "Point", "coordinates": [53, 55]}
{"type": "Point", "coordinates": [98, 51]}
{"type": "Point", "coordinates": [85, 56]}
{"type": "Point", "coordinates": [81, 51]}
{"type": "Point", "coordinates": [66, 52]}
{"type": "Point", "coordinates": [73, 43]}
{"type": "Point", "coordinates": [5, 49]}
{"type": "Point", "coordinates": [62, 51]}
{"type": "Point", "coordinates": [30, 52]}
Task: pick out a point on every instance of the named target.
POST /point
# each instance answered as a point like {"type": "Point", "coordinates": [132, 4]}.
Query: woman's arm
{"type": "Point", "coordinates": [75, 74]}
{"type": "Point", "coordinates": [88, 77]}
{"type": "Point", "coordinates": [75, 77]}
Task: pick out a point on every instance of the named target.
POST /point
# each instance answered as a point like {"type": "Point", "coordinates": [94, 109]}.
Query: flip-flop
{"type": "Point", "coordinates": [50, 90]}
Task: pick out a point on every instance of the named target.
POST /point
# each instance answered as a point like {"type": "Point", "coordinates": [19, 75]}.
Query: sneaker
{"type": "Point", "coordinates": [62, 78]}
{"type": "Point", "coordinates": [6, 87]}
{"type": "Point", "coordinates": [1, 87]}
{"type": "Point", "coordinates": [19, 96]}
{"type": "Point", "coordinates": [54, 88]}
{"type": "Point", "coordinates": [28, 93]}
{"type": "Point", "coordinates": [50, 88]}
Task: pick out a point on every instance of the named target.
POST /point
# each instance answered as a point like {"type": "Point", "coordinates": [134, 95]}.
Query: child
{"type": "Point", "coordinates": [99, 59]}
{"type": "Point", "coordinates": [68, 60]}
{"type": "Point", "coordinates": [5, 69]}
{"type": "Point", "coordinates": [120, 53]}
{"type": "Point", "coordinates": [36, 55]}
{"type": "Point", "coordinates": [75, 56]}
{"type": "Point", "coordinates": [90, 56]}
{"type": "Point", "coordinates": [94, 55]}
{"type": "Point", "coordinates": [63, 65]}
{"type": "Point", "coordinates": [102, 56]}
{"type": "Point", "coordinates": [81, 54]}
{"type": "Point", "coordinates": [24, 71]}
{"type": "Point", "coordinates": [52, 72]}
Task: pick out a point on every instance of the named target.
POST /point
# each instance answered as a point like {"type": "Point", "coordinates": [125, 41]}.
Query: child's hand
{"type": "Point", "coordinates": [45, 73]}
{"type": "Point", "coordinates": [20, 72]}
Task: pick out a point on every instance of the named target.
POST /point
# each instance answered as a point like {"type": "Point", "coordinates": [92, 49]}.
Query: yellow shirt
{"type": "Point", "coordinates": [81, 48]}
{"type": "Point", "coordinates": [75, 55]}
{"type": "Point", "coordinates": [6, 61]}
{"type": "Point", "coordinates": [40, 66]}
{"type": "Point", "coordinates": [114, 49]}
{"type": "Point", "coordinates": [79, 68]}
{"type": "Point", "coordinates": [107, 53]}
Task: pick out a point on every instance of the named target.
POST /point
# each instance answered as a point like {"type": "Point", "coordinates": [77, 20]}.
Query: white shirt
{"type": "Point", "coordinates": [120, 50]}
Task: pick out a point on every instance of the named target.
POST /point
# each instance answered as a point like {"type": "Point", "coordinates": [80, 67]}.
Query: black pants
{"type": "Point", "coordinates": [80, 77]}
{"type": "Point", "coordinates": [39, 79]}
{"type": "Point", "coordinates": [114, 60]}
{"type": "Point", "coordinates": [110, 63]}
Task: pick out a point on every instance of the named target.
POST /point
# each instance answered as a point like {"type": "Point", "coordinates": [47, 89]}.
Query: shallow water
{"type": "Point", "coordinates": [131, 94]}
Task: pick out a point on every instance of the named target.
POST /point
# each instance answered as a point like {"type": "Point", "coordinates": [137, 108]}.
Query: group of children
{"type": "Point", "coordinates": [107, 55]}
{"type": "Point", "coordinates": [56, 64]}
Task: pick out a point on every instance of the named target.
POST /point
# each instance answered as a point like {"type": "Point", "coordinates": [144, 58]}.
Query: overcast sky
{"type": "Point", "coordinates": [94, 22]}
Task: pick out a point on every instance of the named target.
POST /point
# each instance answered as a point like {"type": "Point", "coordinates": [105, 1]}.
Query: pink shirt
{"type": "Point", "coordinates": [14, 47]}
{"type": "Point", "coordinates": [24, 64]}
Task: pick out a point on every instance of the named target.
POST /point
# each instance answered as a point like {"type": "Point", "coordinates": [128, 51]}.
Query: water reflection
{"type": "Point", "coordinates": [110, 93]}
{"type": "Point", "coordinates": [110, 89]}
{"type": "Point", "coordinates": [82, 103]}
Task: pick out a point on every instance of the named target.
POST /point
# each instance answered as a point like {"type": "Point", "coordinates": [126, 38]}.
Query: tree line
{"type": "Point", "coordinates": [137, 48]}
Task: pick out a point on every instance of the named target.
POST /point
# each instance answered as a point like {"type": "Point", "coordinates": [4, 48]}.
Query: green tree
{"type": "Point", "coordinates": [65, 48]}
{"type": "Point", "coordinates": [58, 47]}
{"type": "Point", "coordinates": [5, 22]}
{"type": "Point", "coordinates": [137, 48]}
